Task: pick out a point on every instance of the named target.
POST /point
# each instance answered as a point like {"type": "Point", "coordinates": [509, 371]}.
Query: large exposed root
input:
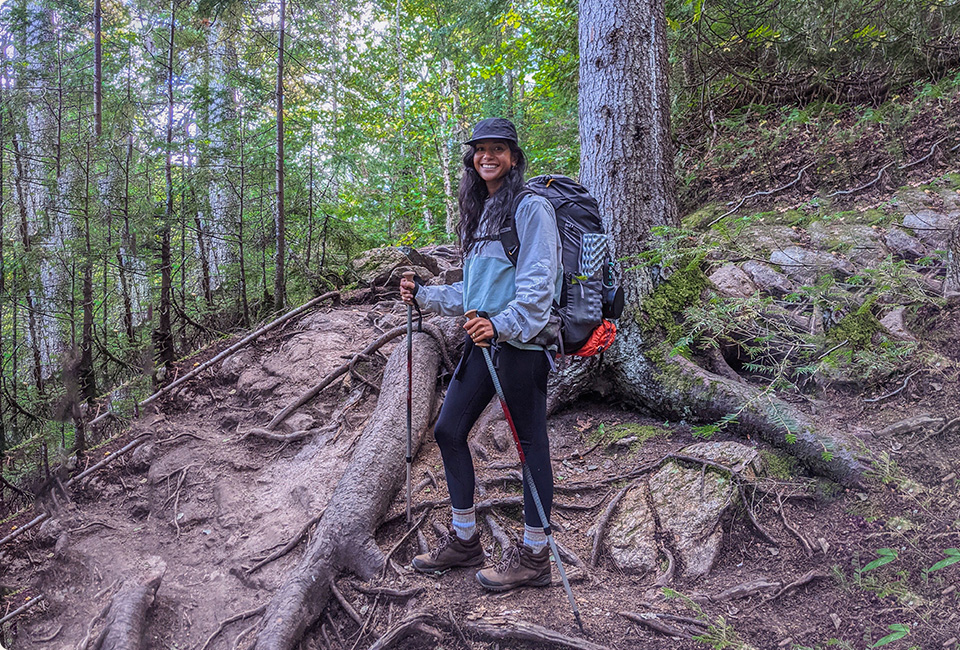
{"type": "Point", "coordinates": [343, 540]}
{"type": "Point", "coordinates": [127, 616]}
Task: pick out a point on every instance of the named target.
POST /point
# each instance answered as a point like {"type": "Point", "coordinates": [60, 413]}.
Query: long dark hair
{"type": "Point", "coordinates": [473, 194]}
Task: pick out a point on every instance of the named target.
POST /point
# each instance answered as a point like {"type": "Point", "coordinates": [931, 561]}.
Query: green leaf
{"type": "Point", "coordinates": [898, 631]}
{"type": "Point", "coordinates": [887, 555]}
{"type": "Point", "coordinates": [953, 556]}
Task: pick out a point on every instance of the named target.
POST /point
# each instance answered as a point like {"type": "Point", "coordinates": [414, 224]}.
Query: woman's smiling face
{"type": "Point", "coordinates": [493, 160]}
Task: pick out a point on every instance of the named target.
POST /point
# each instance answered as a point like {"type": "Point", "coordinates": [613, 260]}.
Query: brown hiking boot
{"type": "Point", "coordinates": [451, 551]}
{"type": "Point", "coordinates": [519, 567]}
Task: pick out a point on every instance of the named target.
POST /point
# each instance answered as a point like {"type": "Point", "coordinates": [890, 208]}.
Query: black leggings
{"type": "Point", "coordinates": [523, 376]}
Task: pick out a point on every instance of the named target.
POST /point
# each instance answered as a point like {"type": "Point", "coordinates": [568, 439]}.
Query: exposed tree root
{"type": "Point", "coordinates": [389, 592]}
{"type": "Point", "coordinates": [805, 579]}
{"type": "Point", "coordinates": [289, 546]}
{"type": "Point", "coordinates": [807, 546]}
{"type": "Point", "coordinates": [745, 590]}
{"type": "Point", "coordinates": [653, 622]}
{"type": "Point", "coordinates": [344, 540]}
{"type": "Point", "coordinates": [504, 629]}
{"type": "Point", "coordinates": [600, 527]}
{"type": "Point", "coordinates": [667, 577]}
{"type": "Point", "coordinates": [233, 619]}
{"type": "Point", "coordinates": [415, 622]}
{"type": "Point", "coordinates": [127, 616]}
{"type": "Point", "coordinates": [681, 389]}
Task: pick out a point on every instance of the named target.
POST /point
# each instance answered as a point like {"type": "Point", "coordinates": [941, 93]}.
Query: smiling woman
{"type": "Point", "coordinates": [515, 304]}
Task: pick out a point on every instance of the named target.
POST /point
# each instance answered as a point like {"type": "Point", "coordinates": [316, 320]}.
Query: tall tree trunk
{"type": "Point", "coordinates": [280, 280]}
{"type": "Point", "coordinates": [163, 334]}
{"type": "Point", "coordinates": [85, 373]}
{"type": "Point", "coordinates": [126, 246]}
{"type": "Point", "coordinates": [951, 287]}
{"type": "Point", "coordinates": [97, 70]}
{"type": "Point", "coordinates": [240, 252]}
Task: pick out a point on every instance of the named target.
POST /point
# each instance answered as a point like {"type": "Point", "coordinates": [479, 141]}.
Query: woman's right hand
{"type": "Point", "coordinates": [408, 288]}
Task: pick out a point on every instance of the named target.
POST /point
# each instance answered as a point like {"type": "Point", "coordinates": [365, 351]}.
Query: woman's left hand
{"type": "Point", "coordinates": [479, 329]}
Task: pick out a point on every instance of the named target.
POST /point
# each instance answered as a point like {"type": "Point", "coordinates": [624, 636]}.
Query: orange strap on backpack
{"type": "Point", "coordinates": [601, 339]}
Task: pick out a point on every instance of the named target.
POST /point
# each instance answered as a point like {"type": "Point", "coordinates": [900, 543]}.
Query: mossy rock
{"type": "Point", "coordinates": [663, 309]}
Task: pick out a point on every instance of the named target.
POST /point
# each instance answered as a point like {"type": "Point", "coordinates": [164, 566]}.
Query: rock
{"type": "Point", "coordinates": [50, 531]}
{"type": "Point", "coordinates": [762, 238]}
{"type": "Point", "coordinates": [300, 422]}
{"type": "Point", "coordinates": [450, 276]}
{"type": "Point", "coordinates": [689, 505]}
{"type": "Point", "coordinates": [806, 266]}
{"type": "Point", "coordinates": [732, 281]}
{"type": "Point", "coordinates": [375, 266]}
{"type": "Point", "coordinates": [420, 272]}
{"type": "Point", "coordinates": [894, 323]}
{"type": "Point", "coordinates": [768, 279]}
{"type": "Point", "coordinates": [142, 457]}
{"type": "Point", "coordinates": [904, 246]}
{"type": "Point", "coordinates": [631, 539]}
{"type": "Point", "coordinates": [930, 226]}
{"type": "Point", "coordinates": [233, 366]}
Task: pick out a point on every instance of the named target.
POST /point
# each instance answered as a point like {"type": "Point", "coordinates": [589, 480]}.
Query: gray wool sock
{"type": "Point", "coordinates": [534, 538]}
{"type": "Point", "coordinates": [465, 522]}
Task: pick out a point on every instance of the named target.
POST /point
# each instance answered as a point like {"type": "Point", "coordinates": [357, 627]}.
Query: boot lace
{"type": "Point", "coordinates": [442, 544]}
{"type": "Point", "coordinates": [509, 560]}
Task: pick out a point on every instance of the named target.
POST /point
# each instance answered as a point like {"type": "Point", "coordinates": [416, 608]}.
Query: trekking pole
{"type": "Point", "coordinates": [527, 474]}
{"type": "Point", "coordinates": [409, 276]}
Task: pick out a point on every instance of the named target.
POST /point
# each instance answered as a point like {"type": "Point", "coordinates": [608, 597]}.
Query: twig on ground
{"type": "Point", "coordinates": [409, 623]}
{"type": "Point", "coordinates": [504, 629]}
{"type": "Point", "coordinates": [345, 604]}
{"type": "Point", "coordinates": [51, 637]}
{"type": "Point", "coordinates": [406, 536]}
{"type": "Point", "coordinates": [744, 590]}
{"type": "Point", "coordinates": [233, 619]}
{"type": "Point", "coordinates": [933, 148]}
{"type": "Point", "coordinates": [807, 547]}
{"type": "Point", "coordinates": [85, 641]}
{"type": "Point", "coordinates": [753, 517]}
{"type": "Point", "coordinates": [289, 546]}
{"type": "Point", "coordinates": [652, 622]}
{"type": "Point", "coordinates": [600, 527]}
{"type": "Point", "coordinates": [776, 190]}
{"type": "Point", "coordinates": [456, 627]}
{"type": "Point", "coordinates": [892, 393]}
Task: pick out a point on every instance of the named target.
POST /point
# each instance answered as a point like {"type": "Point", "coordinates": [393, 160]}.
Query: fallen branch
{"type": "Point", "coordinates": [916, 162]}
{"type": "Point", "coordinates": [289, 546]}
{"type": "Point", "coordinates": [136, 442]}
{"type": "Point", "coordinates": [504, 629]}
{"type": "Point", "coordinates": [33, 602]}
{"type": "Point", "coordinates": [650, 620]}
{"type": "Point", "coordinates": [403, 628]}
{"type": "Point", "coordinates": [891, 394]}
{"type": "Point", "coordinates": [20, 531]}
{"type": "Point", "coordinates": [601, 525]}
{"type": "Point", "coordinates": [233, 619]}
{"type": "Point", "coordinates": [745, 590]}
{"type": "Point", "coordinates": [805, 579]}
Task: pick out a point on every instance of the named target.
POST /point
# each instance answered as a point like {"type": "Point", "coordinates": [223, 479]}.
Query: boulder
{"type": "Point", "coordinates": [904, 246]}
{"type": "Point", "coordinates": [806, 266]}
{"type": "Point", "coordinates": [768, 279]}
{"type": "Point", "coordinates": [761, 238]}
{"type": "Point", "coordinates": [377, 266]}
{"type": "Point", "coordinates": [895, 324]}
{"type": "Point", "coordinates": [689, 505]}
{"type": "Point", "coordinates": [931, 226]}
{"type": "Point", "coordinates": [733, 281]}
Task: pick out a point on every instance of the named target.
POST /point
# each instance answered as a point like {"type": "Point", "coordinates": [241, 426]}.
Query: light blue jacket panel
{"type": "Point", "coordinates": [518, 299]}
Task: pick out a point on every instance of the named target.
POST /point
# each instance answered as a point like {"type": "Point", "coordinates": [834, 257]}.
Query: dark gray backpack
{"type": "Point", "coordinates": [590, 292]}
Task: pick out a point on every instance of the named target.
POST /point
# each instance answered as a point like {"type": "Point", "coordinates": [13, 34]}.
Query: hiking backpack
{"type": "Point", "coordinates": [590, 294]}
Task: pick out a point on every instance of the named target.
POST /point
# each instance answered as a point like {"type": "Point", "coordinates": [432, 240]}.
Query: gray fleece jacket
{"type": "Point", "coordinates": [517, 299]}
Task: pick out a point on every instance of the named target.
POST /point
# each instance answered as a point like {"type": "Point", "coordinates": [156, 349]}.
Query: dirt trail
{"type": "Point", "coordinates": [205, 503]}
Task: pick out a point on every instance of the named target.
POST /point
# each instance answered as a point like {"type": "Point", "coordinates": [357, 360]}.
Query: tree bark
{"type": "Point", "coordinates": [343, 540]}
{"type": "Point", "coordinates": [163, 335]}
{"type": "Point", "coordinates": [951, 286]}
{"type": "Point", "coordinates": [280, 280]}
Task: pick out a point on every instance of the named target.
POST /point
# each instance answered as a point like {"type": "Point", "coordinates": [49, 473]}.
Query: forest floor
{"type": "Point", "coordinates": [201, 503]}
{"type": "Point", "coordinates": [206, 503]}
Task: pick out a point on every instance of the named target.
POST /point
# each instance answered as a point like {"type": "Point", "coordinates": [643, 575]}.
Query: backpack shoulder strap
{"type": "Point", "coordinates": [509, 238]}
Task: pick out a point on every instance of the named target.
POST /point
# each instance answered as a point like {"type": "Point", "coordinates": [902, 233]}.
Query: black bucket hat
{"type": "Point", "coordinates": [493, 128]}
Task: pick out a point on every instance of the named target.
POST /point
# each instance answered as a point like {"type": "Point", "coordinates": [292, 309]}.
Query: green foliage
{"type": "Point", "coordinates": [884, 556]}
{"type": "Point", "coordinates": [952, 557]}
{"type": "Point", "coordinates": [662, 310]}
{"type": "Point", "coordinates": [640, 432]}
{"type": "Point", "coordinates": [779, 465]}
{"type": "Point", "coordinates": [897, 632]}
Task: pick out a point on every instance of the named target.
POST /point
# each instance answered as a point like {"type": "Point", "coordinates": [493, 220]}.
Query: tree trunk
{"type": "Point", "coordinates": [163, 336]}
{"type": "Point", "coordinates": [951, 286]}
{"type": "Point", "coordinates": [97, 70]}
{"type": "Point", "coordinates": [627, 162]}
{"type": "Point", "coordinates": [86, 377]}
{"type": "Point", "coordinates": [344, 537]}
{"type": "Point", "coordinates": [280, 280]}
